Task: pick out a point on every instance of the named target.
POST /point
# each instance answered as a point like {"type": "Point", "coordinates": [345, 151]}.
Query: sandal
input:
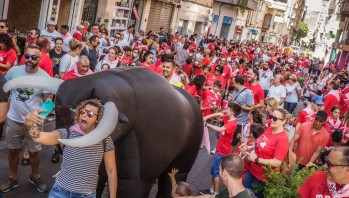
{"type": "Point", "coordinates": [25, 161]}
{"type": "Point", "coordinates": [55, 158]}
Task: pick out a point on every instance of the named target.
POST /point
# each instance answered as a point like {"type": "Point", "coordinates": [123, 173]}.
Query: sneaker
{"type": "Point", "coordinates": [38, 183]}
{"type": "Point", "coordinates": [213, 151]}
{"type": "Point", "coordinates": [11, 183]}
{"type": "Point", "coordinates": [206, 192]}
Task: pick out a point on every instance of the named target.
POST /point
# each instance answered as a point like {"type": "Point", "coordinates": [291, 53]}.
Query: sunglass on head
{"type": "Point", "coordinates": [275, 118]}
{"type": "Point", "coordinates": [329, 164]}
{"type": "Point", "coordinates": [33, 57]}
{"type": "Point", "coordinates": [90, 113]}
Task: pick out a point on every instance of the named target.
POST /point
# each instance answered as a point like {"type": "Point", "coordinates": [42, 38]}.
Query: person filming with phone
{"type": "Point", "coordinates": [68, 182]}
{"type": "Point", "coordinates": [24, 100]}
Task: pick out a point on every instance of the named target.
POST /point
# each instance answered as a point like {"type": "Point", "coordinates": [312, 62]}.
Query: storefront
{"type": "Point", "coordinates": [161, 15]}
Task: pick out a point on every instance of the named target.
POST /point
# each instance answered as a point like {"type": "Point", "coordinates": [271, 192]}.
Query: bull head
{"type": "Point", "coordinates": [104, 128]}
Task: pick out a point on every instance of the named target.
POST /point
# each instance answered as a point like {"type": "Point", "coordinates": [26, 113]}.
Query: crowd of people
{"type": "Point", "coordinates": [247, 92]}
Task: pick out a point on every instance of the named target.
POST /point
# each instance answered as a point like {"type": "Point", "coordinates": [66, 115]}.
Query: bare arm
{"type": "Point", "coordinates": [3, 111]}
{"type": "Point", "coordinates": [172, 175]}
{"type": "Point", "coordinates": [201, 196]}
{"type": "Point", "coordinates": [216, 128]}
{"type": "Point", "coordinates": [6, 65]}
{"type": "Point", "coordinates": [316, 154]}
{"type": "Point", "coordinates": [293, 141]}
{"type": "Point", "coordinates": [282, 100]}
{"type": "Point", "coordinates": [260, 104]}
{"type": "Point", "coordinates": [212, 116]}
{"type": "Point", "coordinates": [110, 166]}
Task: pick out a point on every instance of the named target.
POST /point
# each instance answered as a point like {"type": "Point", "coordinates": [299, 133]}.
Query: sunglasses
{"type": "Point", "coordinates": [90, 113]}
{"type": "Point", "coordinates": [2, 26]}
{"type": "Point", "coordinates": [33, 57]}
{"type": "Point", "coordinates": [151, 57]}
{"type": "Point", "coordinates": [118, 37]}
{"type": "Point", "coordinates": [275, 118]}
{"type": "Point", "coordinates": [329, 164]}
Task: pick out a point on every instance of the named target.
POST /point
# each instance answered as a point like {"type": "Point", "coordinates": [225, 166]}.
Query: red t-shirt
{"type": "Point", "coordinates": [206, 61]}
{"type": "Point", "coordinates": [224, 141]}
{"type": "Point", "coordinates": [166, 47]}
{"type": "Point", "coordinates": [226, 74]}
{"type": "Point", "coordinates": [210, 98]}
{"type": "Point", "coordinates": [269, 146]}
{"type": "Point", "coordinates": [152, 67]}
{"type": "Point", "coordinates": [78, 36]}
{"type": "Point", "coordinates": [9, 56]}
{"type": "Point", "coordinates": [127, 60]}
{"type": "Point", "coordinates": [188, 69]}
{"type": "Point", "coordinates": [344, 103]}
{"type": "Point", "coordinates": [46, 64]}
{"type": "Point", "coordinates": [191, 89]}
{"type": "Point", "coordinates": [211, 78]}
{"type": "Point", "coordinates": [211, 46]}
{"type": "Point", "coordinates": [69, 75]}
{"type": "Point", "coordinates": [258, 93]}
{"type": "Point", "coordinates": [306, 115]}
{"type": "Point", "coordinates": [308, 143]}
{"type": "Point", "coordinates": [192, 48]}
{"type": "Point", "coordinates": [316, 186]}
{"type": "Point", "coordinates": [329, 101]}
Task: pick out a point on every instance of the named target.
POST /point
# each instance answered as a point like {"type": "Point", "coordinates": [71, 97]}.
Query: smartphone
{"type": "Point", "coordinates": [48, 106]}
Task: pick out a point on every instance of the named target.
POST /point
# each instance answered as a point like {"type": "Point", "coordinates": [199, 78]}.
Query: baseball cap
{"type": "Point", "coordinates": [50, 22]}
{"type": "Point", "coordinates": [322, 115]}
{"type": "Point", "coordinates": [317, 99]}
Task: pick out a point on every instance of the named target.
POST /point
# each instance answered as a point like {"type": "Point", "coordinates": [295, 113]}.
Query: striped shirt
{"type": "Point", "coordinates": [79, 169]}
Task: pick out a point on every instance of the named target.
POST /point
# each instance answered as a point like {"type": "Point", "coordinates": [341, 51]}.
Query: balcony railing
{"type": "Point", "coordinates": [251, 4]}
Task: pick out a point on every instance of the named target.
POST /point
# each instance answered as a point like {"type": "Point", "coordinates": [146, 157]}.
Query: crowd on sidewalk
{"type": "Point", "coordinates": [247, 92]}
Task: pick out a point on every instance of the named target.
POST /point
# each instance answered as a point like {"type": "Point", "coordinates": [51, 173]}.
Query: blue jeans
{"type": "Point", "coordinates": [290, 106]}
{"type": "Point", "coordinates": [58, 192]}
{"type": "Point", "coordinates": [252, 183]}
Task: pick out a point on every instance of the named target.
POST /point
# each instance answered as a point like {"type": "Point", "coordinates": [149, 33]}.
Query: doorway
{"type": "Point", "coordinates": [90, 11]}
{"type": "Point", "coordinates": [225, 27]}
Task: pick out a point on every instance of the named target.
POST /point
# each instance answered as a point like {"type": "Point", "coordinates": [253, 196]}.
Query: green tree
{"type": "Point", "coordinates": [302, 30]}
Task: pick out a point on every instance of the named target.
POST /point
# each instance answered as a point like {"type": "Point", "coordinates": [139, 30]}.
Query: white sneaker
{"type": "Point", "coordinates": [213, 151]}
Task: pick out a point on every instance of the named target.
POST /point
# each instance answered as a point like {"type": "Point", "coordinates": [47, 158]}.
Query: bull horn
{"type": "Point", "coordinates": [38, 82]}
{"type": "Point", "coordinates": [104, 128]}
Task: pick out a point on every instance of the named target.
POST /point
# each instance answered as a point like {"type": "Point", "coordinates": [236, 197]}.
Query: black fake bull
{"type": "Point", "coordinates": [163, 131]}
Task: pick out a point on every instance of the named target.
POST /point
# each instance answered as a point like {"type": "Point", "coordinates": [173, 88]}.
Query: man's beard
{"type": "Point", "coordinates": [30, 64]}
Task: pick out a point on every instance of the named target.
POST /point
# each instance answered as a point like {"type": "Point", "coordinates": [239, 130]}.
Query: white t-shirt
{"type": "Point", "coordinates": [66, 40]}
{"type": "Point", "coordinates": [24, 100]}
{"type": "Point", "coordinates": [51, 35]}
{"type": "Point", "coordinates": [293, 97]}
{"type": "Point", "coordinates": [67, 62]}
{"type": "Point", "coordinates": [264, 78]}
{"type": "Point", "coordinates": [277, 92]}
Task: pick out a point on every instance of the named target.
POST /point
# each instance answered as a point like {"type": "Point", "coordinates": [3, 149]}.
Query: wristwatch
{"type": "Point", "coordinates": [256, 160]}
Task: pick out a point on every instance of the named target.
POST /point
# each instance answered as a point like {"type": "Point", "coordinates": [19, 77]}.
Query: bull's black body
{"type": "Point", "coordinates": [164, 129]}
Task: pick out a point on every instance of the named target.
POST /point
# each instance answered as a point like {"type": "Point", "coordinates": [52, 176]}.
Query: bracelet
{"type": "Point", "coordinates": [256, 160]}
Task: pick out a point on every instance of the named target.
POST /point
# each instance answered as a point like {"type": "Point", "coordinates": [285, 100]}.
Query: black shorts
{"type": "Point", "coordinates": [235, 139]}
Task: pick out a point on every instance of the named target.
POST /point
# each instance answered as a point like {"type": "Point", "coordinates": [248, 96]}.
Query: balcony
{"type": "Point", "coordinates": [251, 4]}
{"type": "Point", "coordinates": [345, 8]}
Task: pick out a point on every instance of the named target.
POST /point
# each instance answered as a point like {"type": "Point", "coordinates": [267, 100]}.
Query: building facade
{"type": "Point", "coordinates": [230, 18]}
